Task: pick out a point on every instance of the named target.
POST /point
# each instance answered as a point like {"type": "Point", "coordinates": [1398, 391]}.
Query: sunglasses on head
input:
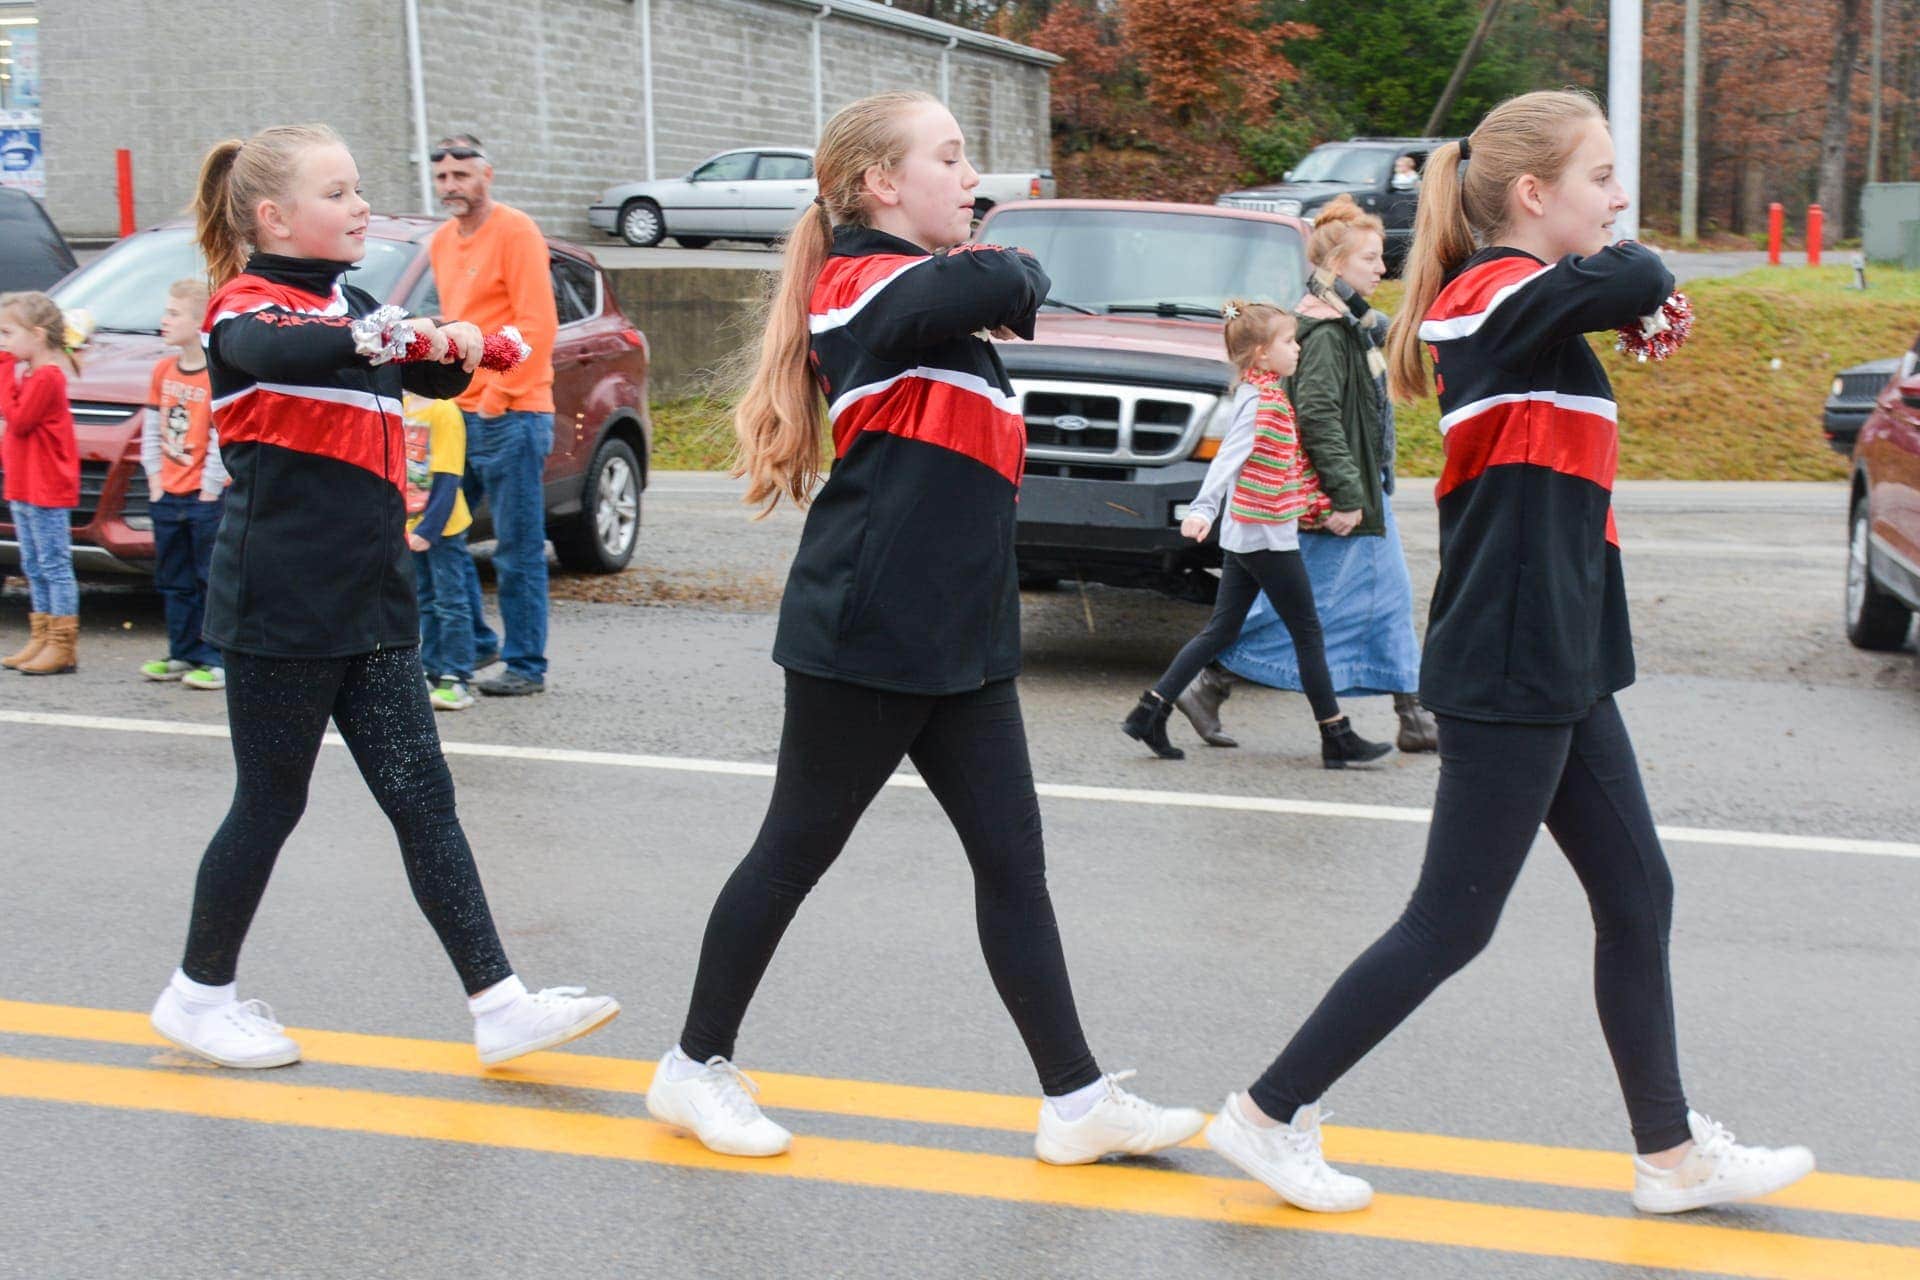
{"type": "Point", "coordinates": [458, 153]}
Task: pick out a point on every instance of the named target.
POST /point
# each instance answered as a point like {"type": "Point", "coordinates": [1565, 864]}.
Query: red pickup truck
{"type": "Point", "coordinates": [602, 441]}
{"type": "Point", "coordinates": [1126, 389]}
{"type": "Point", "coordinates": [1883, 515]}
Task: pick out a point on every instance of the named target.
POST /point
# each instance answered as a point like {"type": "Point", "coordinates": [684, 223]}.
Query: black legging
{"type": "Point", "coordinates": [278, 711]}
{"type": "Point", "coordinates": [1498, 782]}
{"type": "Point", "coordinates": [838, 746]}
{"type": "Point", "coordinates": [1243, 576]}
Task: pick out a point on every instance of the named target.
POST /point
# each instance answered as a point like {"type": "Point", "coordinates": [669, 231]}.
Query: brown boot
{"type": "Point", "coordinates": [1417, 730]}
{"type": "Point", "coordinates": [36, 640]}
{"type": "Point", "coordinates": [1201, 704]}
{"type": "Point", "coordinates": [58, 656]}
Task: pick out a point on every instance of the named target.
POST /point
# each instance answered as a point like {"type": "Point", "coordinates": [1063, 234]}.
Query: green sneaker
{"type": "Point", "coordinates": [452, 695]}
{"type": "Point", "coordinates": [165, 669]}
{"type": "Point", "coordinates": [205, 678]}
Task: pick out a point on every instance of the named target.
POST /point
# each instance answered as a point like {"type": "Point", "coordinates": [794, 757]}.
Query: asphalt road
{"type": "Point", "coordinates": [1200, 925]}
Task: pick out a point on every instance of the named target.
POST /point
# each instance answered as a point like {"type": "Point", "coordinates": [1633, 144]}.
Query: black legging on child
{"type": "Point", "coordinates": [1498, 782]}
{"type": "Point", "coordinates": [839, 745]}
{"type": "Point", "coordinates": [278, 711]}
{"type": "Point", "coordinates": [1243, 576]}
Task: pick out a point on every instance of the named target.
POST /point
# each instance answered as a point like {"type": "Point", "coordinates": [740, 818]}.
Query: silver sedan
{"type": "Point", "coordinates": [755, 193]}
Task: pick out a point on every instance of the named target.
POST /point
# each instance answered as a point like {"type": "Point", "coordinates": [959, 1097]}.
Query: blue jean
{"type": "Point", "coordinates": [446, 627]}
{"type": "Point", "coordinates": [507, 455]}
{"type": "Point", "coordinates": [46, 558]}
{"type": "Point", "coordinates": [183, 531]}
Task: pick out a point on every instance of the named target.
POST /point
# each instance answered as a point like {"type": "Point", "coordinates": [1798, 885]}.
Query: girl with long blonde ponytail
{"type": "Point", "coordinates": [900, 625]}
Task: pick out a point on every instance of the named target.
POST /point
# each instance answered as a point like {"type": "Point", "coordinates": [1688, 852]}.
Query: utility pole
{"type": "Point", "coordinates": [1623, 107]}
{"type": "Point", "coordinates": [1460, 68]}
{"type": "Point", "coordinates": [1690, 131]}
{"type": "Point", "coordinates": [1873, 114]}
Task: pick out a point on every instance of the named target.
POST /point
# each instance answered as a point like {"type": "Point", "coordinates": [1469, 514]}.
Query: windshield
{"type": "Point", "coordinates": [125, 288]}
{"type": "Point", "coordinates": [1350, 166]}
{"type": "Point", "coordinates": [1102, 258]}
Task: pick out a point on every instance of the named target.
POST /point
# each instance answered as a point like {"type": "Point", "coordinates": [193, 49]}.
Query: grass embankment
{"type": "Point", "coordinates": [1717, 411]}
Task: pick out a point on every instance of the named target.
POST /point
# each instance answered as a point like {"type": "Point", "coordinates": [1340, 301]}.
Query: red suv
{"type": "Point", "coordinates": [602, 434]}
{"type": "Point", "coordinates": [1883, 530]}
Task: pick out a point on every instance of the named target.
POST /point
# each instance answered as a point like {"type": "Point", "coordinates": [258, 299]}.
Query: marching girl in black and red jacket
{"type": "Point", "coordinates": [900, 627]}
{"type": "Point", "coordinates": [310, 597]}
{"type": "Point", "coordinates": [1526, 645]}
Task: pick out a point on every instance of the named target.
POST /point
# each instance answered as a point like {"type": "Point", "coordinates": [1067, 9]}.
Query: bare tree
{"type": "Point", "coordinates": [1833, 138]}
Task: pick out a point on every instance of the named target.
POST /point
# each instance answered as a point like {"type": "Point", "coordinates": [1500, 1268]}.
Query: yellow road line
{"type": "Point", "coordinates": [1624, 1240]}
{"type": "Point", "coordinates": [1570, 1167]}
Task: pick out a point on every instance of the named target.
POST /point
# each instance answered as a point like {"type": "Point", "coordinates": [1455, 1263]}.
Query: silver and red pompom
{"type": "Point", "coordinates": [1657, 336]}
{"type": "Point", "coordinates": [387, 335]}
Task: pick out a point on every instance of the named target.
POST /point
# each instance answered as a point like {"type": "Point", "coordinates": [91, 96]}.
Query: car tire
{"type": "Point", "coordinates": [1875, 620]}
{"type": "Point", "coordinates": [693, 242]}
{"type": "Point", "coordinates": [602, 537]}
{"type": "Point", "coordinates": [640, 224]}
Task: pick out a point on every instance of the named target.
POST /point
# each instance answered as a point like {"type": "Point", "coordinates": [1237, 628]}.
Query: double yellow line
{"type": "Point", "coordinates": [1627, 1240]}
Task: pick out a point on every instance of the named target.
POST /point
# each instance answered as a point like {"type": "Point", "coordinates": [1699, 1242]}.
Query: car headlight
{"type": "Point", "coordinates": [1839, 385]}
{"type": "Point", "coordinates": [1287, 206]}
{"type": "Point", "coordinates": [1219, 418]}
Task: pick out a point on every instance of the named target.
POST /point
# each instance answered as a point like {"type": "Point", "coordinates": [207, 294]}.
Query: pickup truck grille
{"type": "Point", "coordinates": [1862, 386]}
{"type": "Point", "coordinates": [1114, 425]}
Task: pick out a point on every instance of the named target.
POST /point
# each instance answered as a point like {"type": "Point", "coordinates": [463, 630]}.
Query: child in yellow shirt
{"type": "Point", "coordinates": [437, 533]}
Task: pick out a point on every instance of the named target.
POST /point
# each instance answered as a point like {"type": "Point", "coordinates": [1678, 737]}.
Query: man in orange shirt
{"type": "Point", "coordinates": [491, 266]}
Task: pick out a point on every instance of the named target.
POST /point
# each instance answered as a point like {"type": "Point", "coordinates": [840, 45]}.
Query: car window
{"type": "Point", "coordinates": [32, 254]}
{"type": "Point", "coordinates": [125, 288]}
{"type": "Point", "coordinates": [728, 168]}
{"type": "Point", "coordinates": [784, 168]}
{"type": "Point", "coordinates": [575, 289]}
{"type": "Point", "coordinates": [1349, 166]}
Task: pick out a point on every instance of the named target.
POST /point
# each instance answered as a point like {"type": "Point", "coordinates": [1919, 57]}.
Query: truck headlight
{"type": "Point", "coordinates": [1287, 206]}
{"type": "Point", "coordinates": [1219, 418]}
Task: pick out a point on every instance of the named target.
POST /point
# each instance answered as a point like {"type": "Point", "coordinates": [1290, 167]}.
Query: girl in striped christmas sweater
{"type": "Point", "coordinates": [1268, 487]}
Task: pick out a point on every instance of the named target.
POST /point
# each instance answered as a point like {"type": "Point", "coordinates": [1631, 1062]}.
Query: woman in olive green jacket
{"type": "Point", "coordinates": [1358, 570]}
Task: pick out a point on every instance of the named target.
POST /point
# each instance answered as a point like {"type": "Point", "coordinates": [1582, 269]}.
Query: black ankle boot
{"type": "Point", "coordinates": [1417, 730]}
{"type": "Point", "coordinates": [1201, 704]}
{"type": "Point", "coordinates": [1342, 748]}
{"type": "Point", "coordinates": [1147, 723]}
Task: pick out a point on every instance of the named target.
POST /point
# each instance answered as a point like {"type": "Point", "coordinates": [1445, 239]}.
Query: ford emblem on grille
{"type": "Point", "coordinates": [1070, 422]}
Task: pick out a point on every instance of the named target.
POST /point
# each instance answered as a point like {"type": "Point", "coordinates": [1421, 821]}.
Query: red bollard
{"type": "Point", "coordinates": [123, 164]}
{"type": "Point", "coordinates": [1816, 221]}
{"type": "Point", "coordinates": [1776, 224]}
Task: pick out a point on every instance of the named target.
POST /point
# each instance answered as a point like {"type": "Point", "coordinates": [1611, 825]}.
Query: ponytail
{"type": "Point", "coordinates": [1442, 240]}
{"type": "Point", "coordinates": [234, 178]}
{"type": "Point", "coordinates": [1534, 133]}
{"type": "Point", "coordinates": [778, 422]}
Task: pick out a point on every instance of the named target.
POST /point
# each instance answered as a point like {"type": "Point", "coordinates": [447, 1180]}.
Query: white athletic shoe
{"type": "Point", "coordinates": [1287, 1158]}
{"type": "Point", "coordinates": [1717, 1171]}
{"type": "Point", "coordinates": [715, 1105]}
{"type": "Point", "coordinates": [240, 1033]}
{"type": "Point", "coordinates": [540, 1020]}
{"type": "Point", "coordinates": [1118, 1124]}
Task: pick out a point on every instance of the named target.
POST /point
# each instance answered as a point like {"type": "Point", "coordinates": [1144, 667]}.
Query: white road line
{"type": "Point", "coordinates": [1054, 790]}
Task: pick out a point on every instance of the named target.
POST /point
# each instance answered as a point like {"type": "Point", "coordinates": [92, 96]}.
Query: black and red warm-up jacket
{"type": "Point", "coordinates": [311, 560]}
{"type": "Point", "coordinates": [1529, 617]}
{"type": "Point", "coordinates": [905, 576]}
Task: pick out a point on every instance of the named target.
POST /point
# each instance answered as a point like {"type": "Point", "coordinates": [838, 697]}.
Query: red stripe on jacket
{"type": "Point", "coordinates": [1474, 289]}
{"type": "Point", "coordinates": [843, 280]}
{"type": "Point", "coordinates": [939, 413]}
{"type": "Point", "coordinates": [360, 437]}
{"type": "Point", "coordinates": [1533, 433]}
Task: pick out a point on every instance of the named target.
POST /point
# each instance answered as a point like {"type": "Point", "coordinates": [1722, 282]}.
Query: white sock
{"type": "Point", "coordinates": [1072, 1106]}
{"type": "Point", "coordinates": [498, 996]}
{"type": "Point", "coordinates": [680, 1067]}
{"type": "Point", "coordinates": [198, 996]}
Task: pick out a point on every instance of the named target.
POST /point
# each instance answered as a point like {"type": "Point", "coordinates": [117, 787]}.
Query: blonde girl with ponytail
{"type": "Point", "coordinates": [1526, 644]}
{"type": "Point", "coordinates": [899, 630]}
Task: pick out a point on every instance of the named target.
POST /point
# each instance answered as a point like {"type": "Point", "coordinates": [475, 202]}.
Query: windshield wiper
{"type": "Point", "coordinates": [1168, 309]}
{"type": "Point", "coordinates": [108, 328]}
{"type": "Point", "coordinates": [1070, 306]}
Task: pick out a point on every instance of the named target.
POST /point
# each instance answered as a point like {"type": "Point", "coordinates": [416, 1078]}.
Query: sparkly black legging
{"type": "Point", "coordinates": [839, 745]}
{"type": "Point", "coordinates": [278, 711]}
{"type": "Point", "coordinates": [1498, 783]}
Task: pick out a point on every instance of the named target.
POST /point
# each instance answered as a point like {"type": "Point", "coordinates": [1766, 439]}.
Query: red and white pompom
{"type": "Point", "coordinates": [1659, 335]}
{"type": "Point", "coordinates": [388, 335]}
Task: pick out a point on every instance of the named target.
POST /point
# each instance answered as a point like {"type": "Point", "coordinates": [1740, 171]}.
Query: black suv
{"type": "Point", "coordinates": [1360, 167]}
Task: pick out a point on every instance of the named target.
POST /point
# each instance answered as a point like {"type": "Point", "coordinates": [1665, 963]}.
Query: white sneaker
{"type": "Point", "coordinates": [1118, 1124]}
{"type": "Point", "coordinates": [1717, 1171]}
{"type": "Point", "coordinates": [1287, 1158]}
{"type": "Point", "coordinates": [240, 1033]}
{"type": "Point", "coordinates": [540, 1020]}
{"type": "Point", "coordinates": [716, 1106]}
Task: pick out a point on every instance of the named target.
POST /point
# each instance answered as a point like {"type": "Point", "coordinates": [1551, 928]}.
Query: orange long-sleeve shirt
{"type": "Point", "coordinates": [495, 277]}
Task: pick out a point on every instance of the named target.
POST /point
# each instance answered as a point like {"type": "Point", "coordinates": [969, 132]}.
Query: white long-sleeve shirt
{"type": "Point", "coordinates": [1235, 448]}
